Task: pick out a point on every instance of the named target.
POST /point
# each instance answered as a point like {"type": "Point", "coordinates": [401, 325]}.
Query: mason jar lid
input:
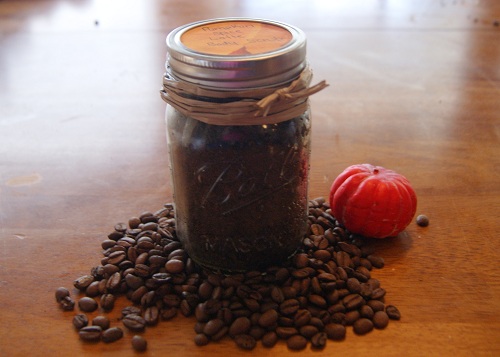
{"type": "Point", "coordinates": [236, 53]}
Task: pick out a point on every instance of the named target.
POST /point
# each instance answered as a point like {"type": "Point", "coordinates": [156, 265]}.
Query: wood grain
{"type": "Point", "coordinates": [414, 86]}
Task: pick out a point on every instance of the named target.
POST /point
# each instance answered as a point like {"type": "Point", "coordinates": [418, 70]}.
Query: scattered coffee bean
{"type": "Point", "coordinates": [112, 334]}
{"type": "Point", "coordinates": [245, 342]}
{"type": "Point", "coordinates": [335, 331]}
{"type": "Point", "coordinates": [201, 339]}
{"type": "Point", "coordinates": [139, 343]}
{"type": "Point", "coordinates": [80, 320]}
{"type": "Point", "coordinates": [82, 282]}
{"type": "Point", "coordinates": [318, 341]}
{"type": "Point", "coordinates": [308, 331]}
{"type": "Point", "coordinates": [131, 310]}
{"type": "Point", "coordinates": [269, 339]}
{"type": "Point", "coordinates": [296, 342]}
{"type": "Point", "coordinates": [393, 312]}
{"type": "Point", "coordinates": [240, 326]}
{"type": "Point", "coordinates": [362, 326]}
{"type": "Point", "coordinates": [380, 319]}
{"type": "Point", "coordinates": [422, 220]}
{"type": "Point", "coordinates": [376, 261]}
{"type": "Point", "coordinates": [152, 315]}
{"type": "Point", "coordinates": [67, 303]}
{"type": "Point", "coordinates": [268, 318]}
{"type": "Point", "coordinates": [107, 301]}
{"type": "Point", "coordinates": [312, 297]}
{"type": "Point", "coordinates": [61, 293]}
{"type": "Point", "coordinates": [134, 322]}
{"type": "Point", "coordinates": [213, 326]}
{"type": "Point", "coordinates": [101, 321]}
{"type": "Point", "coordinates": [87, 304]}
{"type": "Point", "coordinates": [90, 333]}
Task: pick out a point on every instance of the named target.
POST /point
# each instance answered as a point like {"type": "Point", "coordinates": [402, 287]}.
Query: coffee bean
{"type": "Point", "coordinates": [353, 301]}
{"type": "Point", "coordinates": [90, 333]}
{"type": "Point", "coordinates": [376, 305]}
{"type": "Point", "coordinates": [205, 290]}
{"type": "Point", "coordinates": [301, 273]}
{"type": "Point", "coordinates": [101, 321]}
{"type": "Point", "coordinates": [226, 315]}
{"type": "Point", "coordinates": [335, 331]}
{"type": "Point", "coordinates": [134, 322]}
{"type": "Point", "coordinates": [282, 275]}
{"type": "Point", "coordinates": [343, 259]}
{"type": "Point", "coordinates": [366, 311]}
{"type": "Point", "coordinates": [351, 249]}
{"type": "Point", "coordinates": [240, 326]}
{"type": "Point", "coordinates": [269, 318]}
{"type": "Point", "coordinates": [201, 339]}
{"type": "Point", "coordinates": [114, 282]}
{"type": "Point", "coordinates": [174, 266]}
{"type": "Point", "coordinates": [80, 320]}
{"type": "Point", "coordinates": [107, 301]}
{"type": "Point", "coordinates": [380, 319]}
{"type": "Point", "coordinates": [245, 342]}
{"type": "Point", "coordinates": [112, 334]}
{"type": "Point", "coordinates": [285, 332]}
{"type": "Point", "coordinates": [376, 261]}
{"type": "Point", "coordinates": [318, 341]}
{"type": "Point", "coordinates": [257, 332]}
{"type": "Point", "coordinates": [378, 293]}
{"type": "Point", "coordinates": [351, 316]}
{"type": "Point", "coordinates": [134, 222]}
{"type": "Point", "coordinates": [393, 312]}
{"type": "Point", "coordinates": [93, 289]}
{"type": "Point", "coordinates": [301, 260]}
{"type": "Point", "coordinates": [213, 326]}
{"type": "Point", "coordinates": [87, 304]}
{"type": "Point", "coordinates": [142, 270]}
{"type": "Point", "coordinates": [139, 343]}
{"type": "Point", "coordinates": [115, 235]}
{"type": "Point", "coordinates": [130, 310]}
{"type": "Point", "coordinates": [61, 293]}
{"type": "Point", "coordinates": [219, 335]}
{"type": "Point", "coordinates": [302, 317]}
{"type": "Point", "coordinates": [318, 300]}
{"type": "Point", "coordinates": [109, 269]}
{"type": "Point", "coordinates": [185, 308]}
{"type": "Point", "coordinates": [289, 307]}
{"type": "Point", "coordinates": [67, 303]}
{"type": "Point", "coordinates": [317, 229]}
{"type": "Point", "coordinates": [151, 315]}
{"type": "Point", "coordinates": [308, 331]}
{"type": "Point", "coordinates": [422, 220]}
{"type": "Point", "coordinates": [354, 285]}
{"type": "Point", "coordinates": [168, 313]}
{"type": "Point", "coordinates": [296, 342]}
{"type": "Point", "coordinates": [82, 282]}
{"type": "Point", "coordinates": [117, 257]}
{"type": "Point", "coordinates": [362, 326]}
{"type": "Point", "coordinates": [362, 274]}
{"type": "Point", "coordinates": [269, 339]}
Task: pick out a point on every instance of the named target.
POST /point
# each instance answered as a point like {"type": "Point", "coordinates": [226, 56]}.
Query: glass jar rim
{"type": "Point", "coordinates": [268, 53]}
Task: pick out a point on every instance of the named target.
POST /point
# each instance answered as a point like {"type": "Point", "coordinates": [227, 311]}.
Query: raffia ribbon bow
{"type": "Point", "coordinates": [246, 107]}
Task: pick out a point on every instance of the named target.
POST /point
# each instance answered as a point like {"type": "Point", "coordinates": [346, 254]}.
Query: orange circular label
{"type": "Point", "coordinates": [236, 38]}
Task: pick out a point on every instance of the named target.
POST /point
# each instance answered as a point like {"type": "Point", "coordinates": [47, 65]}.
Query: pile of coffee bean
{"type": "Point", "coordinates": [323, 289]}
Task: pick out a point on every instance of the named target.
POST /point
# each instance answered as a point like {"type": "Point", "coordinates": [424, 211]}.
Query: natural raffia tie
{"type": "Point", "coordinates": [245, 107]}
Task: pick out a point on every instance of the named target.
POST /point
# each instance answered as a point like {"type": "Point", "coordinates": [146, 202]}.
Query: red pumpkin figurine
{"type": "Point", "coordinates": [372, 201]}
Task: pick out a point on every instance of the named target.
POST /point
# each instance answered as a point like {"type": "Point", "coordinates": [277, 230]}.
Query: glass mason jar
{"type": "Point", "coordinates": [239, 181]}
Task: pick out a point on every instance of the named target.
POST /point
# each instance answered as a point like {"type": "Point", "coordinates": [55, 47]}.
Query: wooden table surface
{"type": "Point", "coordinates": [414, 86]}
